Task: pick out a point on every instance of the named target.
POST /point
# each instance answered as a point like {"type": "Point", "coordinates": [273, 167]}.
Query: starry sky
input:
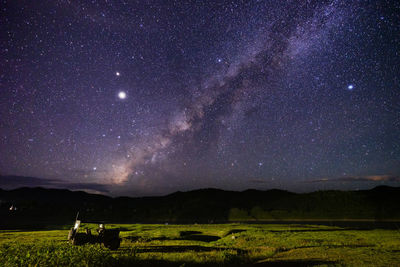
{"type": "Point", "coordinates": [150, 97]}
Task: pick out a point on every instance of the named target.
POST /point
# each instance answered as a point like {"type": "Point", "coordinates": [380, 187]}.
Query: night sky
{"type": "Point", "coordinates": [150, 97]}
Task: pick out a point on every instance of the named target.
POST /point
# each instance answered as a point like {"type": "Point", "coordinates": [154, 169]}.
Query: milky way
{"type": "Point", "coordinates": [164, 96]}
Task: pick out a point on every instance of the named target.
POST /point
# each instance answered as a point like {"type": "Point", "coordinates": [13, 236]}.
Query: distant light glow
{"type": "Point", "coordinates": [122, 95]}
{"type": "Point", "coordinates": [350, 87]}
{"type": "Point", "coordinates": [117, 73]}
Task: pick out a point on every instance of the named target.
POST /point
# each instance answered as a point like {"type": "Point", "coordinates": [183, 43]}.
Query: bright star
{"type": "Point", "coordinates": [122, 95]}
{"type": "Point", "coordinates": [118, 73]}
{"type": "Point", "coordinates": [94, 168]}
{"type": "Point", "coordinates": [350, 87]}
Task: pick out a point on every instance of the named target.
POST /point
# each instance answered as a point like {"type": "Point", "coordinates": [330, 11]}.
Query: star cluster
{"type": "Point", "coordinates": [158, 96]}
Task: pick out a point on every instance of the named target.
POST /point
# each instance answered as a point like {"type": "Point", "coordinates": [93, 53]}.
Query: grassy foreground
{"type": "Point", "coordinates": [208, 245]}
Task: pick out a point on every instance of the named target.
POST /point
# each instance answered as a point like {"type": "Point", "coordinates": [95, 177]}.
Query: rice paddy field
{"type": "Point", "coordinates": [207, 245]}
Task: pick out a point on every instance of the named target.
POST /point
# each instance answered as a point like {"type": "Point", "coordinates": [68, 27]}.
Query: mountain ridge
{"type": "Point", "coordinates": [201, 205]}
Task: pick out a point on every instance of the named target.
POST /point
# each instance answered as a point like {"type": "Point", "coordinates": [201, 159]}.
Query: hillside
{"type": "Point", "coordinates": [39, 205]}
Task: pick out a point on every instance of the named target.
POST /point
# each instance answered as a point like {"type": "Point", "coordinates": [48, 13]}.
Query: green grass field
{"type": "Point", "coordinates": [208, 245]}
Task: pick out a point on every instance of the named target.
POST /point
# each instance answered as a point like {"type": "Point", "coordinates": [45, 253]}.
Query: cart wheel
{"type": "Point", "coordinates": [79, 239]}
{"type": "Point", "coordinates": [113, 244]}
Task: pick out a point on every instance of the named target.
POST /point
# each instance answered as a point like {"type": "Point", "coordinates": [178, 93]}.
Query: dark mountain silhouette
{"type": "Point", "coordinates": [38, 206]}
{"type": "Point", "coordinates": [11, 182]}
